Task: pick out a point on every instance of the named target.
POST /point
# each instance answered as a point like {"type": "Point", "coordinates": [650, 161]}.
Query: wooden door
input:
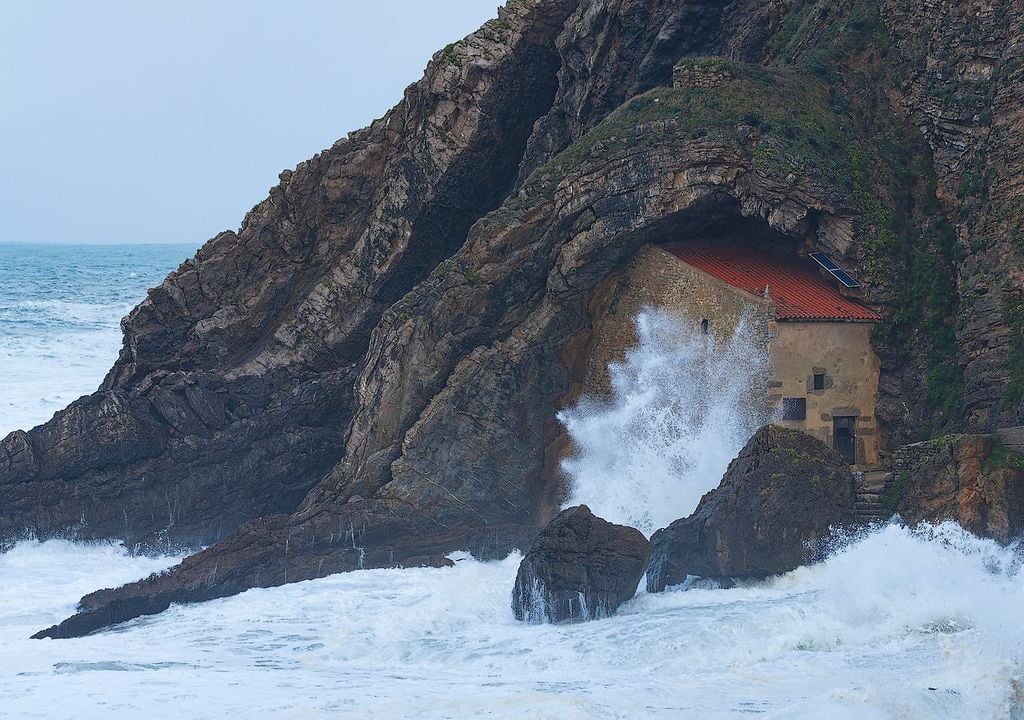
{"type": "Point", "coordinates": [844, 439]}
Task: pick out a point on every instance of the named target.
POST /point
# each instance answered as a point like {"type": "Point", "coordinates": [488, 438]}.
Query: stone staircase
{"type": "Point", "coordinates": [870, 487]}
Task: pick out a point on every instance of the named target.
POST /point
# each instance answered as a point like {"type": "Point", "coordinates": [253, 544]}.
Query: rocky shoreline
{"type": "Point", "coordinates": [367, 373]}
{"type": "Point", "coordinates": [782, 501]}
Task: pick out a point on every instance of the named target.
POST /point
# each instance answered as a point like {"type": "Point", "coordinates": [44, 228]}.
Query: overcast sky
{"type": "Point", "coordinates": [146, 121]}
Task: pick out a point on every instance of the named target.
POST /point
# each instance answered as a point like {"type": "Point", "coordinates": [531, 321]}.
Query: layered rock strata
{"type": "Point", "coordinates": [368, 371]}
{"type": "Point", "coordinates": [971, 479]}
{"type": "Point", "coordinates": [580, 567]}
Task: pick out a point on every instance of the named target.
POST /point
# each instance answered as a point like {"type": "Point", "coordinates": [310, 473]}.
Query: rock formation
{"type": "Point", "coordinates": [369, 369]}
{"type": "Point", "coordinates": [779, 500]}
{"type": "Point", "coordinates": [972, 479]}
{"type": "Point", "coordinates": [580, 568]}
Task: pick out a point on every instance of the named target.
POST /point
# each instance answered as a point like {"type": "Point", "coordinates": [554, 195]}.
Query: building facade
{"type": "Point", "coordinates": [824, 372]}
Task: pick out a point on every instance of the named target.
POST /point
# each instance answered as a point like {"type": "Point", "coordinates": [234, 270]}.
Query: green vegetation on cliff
{"type": "Point", "coordinates": [817, 108]}
{"type": "Point", "coordinates": [1013, 312]}
{"type": "Point", "coordinates": [807, 133]}
{"type": "Point", "coordinates": [1001, 457]}
{"type": "Point", "coordinates": [908, 245]}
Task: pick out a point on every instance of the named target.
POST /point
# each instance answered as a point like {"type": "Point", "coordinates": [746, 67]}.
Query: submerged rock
{"type": "Point", "coordinates": [779, 499]}
{"type": "Point", "coordinates": [972, 479]}
{"type": "Point", "coordinates": [580, 568]}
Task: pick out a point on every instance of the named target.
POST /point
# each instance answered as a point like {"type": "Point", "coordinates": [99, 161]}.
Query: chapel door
{"type": "Point", "coordinates": [843, 437]}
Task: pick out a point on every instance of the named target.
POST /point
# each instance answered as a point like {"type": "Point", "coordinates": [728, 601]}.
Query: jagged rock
{"type": "Point", "coordinates": [428, 561]}
{"type": "Point", "coordinates": [779, 499]}
{"type": "Point", "coordinates": [580, 568]}
{"type": "Point", "coordinates": [233, 391]}
{"type": "Point", "coordinates": [450, 441]}
{"type": "Point", "coordinates": [961, 86]}
{"type": "Point", "coordinates": [971, 479]}
{"type": "Point", "coordinates": [369, 369]}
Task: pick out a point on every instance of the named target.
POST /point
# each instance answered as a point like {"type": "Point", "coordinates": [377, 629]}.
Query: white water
{"type": "Point", "coordinates": [60, 312]}
{"type": "Point", "coordinates": [680, 411]}
{"type": "Point", "coordinates": [895, 625]}
{"type": "Point", "coordinates": [898, 625]}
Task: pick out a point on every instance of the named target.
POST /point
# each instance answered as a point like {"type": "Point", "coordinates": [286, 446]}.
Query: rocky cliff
{"type": "Point", "coordinates": [974, 480]}
{"type": "Point", "coordinates": [369, 369]}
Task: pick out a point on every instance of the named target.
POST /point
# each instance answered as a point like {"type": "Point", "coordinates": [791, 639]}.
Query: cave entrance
{"type": "Point", "coordinates": [718, 268]}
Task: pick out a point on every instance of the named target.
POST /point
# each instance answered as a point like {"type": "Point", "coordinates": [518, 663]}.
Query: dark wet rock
{"type": "Point", "coordinates": [431, 561]}
{"type": "Point", "coordinates": [369, 369]}
{"type": "Point", "coordinates": [779, 500]}
{"type": "Point", "coordinates": [580, 568]}
{"type": "Point", "coordinates": [446, 424]}
{"type": "Point", "coordinates": [235, 386]}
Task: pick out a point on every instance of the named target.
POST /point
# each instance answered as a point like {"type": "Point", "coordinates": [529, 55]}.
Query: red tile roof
{"type": "Point", "coordinates": [797, 290]}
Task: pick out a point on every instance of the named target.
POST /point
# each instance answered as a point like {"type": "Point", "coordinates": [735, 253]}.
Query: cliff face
{"type": "Point", "coordinates": [234, 388]}
{"type": "Point", "coordinates": [959, 80]}
{"type": "Point", "coordinates": [369, 369]}
{"type": "Point", "coordinates": [779, 499]}
{"type": "Point", "coordinates": [971, 479]}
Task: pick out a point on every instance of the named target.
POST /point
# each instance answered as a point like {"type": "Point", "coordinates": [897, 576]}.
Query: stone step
{"type": "Point", "coordinates": [874, 480]}
{"type": "Point", "coordinates": [869, 497]}
{"type": "Point", "coordinates": [870, 489]}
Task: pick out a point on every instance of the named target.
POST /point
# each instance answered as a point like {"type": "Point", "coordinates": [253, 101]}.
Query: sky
{"type": "Point", "coordinates": [146, 121]}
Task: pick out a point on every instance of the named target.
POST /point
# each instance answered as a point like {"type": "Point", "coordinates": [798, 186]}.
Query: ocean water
{"type": "Point", "coordinates": [894, 624]}
{"type": "Point", "coordinates": [60, 313]}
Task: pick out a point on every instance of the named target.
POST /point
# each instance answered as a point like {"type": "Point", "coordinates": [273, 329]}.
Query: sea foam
{"type": "Point", "coordinates": [680, 409]}
{"type": "Point", "coordinates": [896, 623]}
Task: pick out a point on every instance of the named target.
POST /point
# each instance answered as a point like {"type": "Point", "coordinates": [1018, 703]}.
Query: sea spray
{"type": "Point", "coordinates": [913, 624]}
{"type": "Point", "coordinates": [682, 404]}
{"type": "Point", "coordinates": [917, 624]}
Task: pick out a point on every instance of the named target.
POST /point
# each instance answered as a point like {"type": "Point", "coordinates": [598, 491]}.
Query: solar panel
{"type": "Point", "coordinates": [837, 272]}
{"type": "Point", "coordinates": [824, 260]}
{"type": "Point", "coordinates": [845, 279]}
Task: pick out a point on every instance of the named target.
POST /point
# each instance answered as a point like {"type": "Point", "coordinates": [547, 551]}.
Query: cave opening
{"type": "Point", "coordinates": [715, 270]}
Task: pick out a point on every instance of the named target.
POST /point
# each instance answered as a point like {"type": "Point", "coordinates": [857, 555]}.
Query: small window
{"type": "Point", "coordinates": [704, 326]}
{"type": "Point", "coordinates": [819, 381]}
{"type": "Point", "coordinates": [794, 408]}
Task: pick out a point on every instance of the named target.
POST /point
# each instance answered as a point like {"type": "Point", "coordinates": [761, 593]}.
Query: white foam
{"type": "Point", "coordinates": [918, 625]}
{"type": "Point", "coordinates": [899, 624]}
{"type": "Point", "coordinates": [680, 411]}
{"type": "Point", "coordinates": [60, 313]}
{"type": "Point", "coordinates": [43, 374]}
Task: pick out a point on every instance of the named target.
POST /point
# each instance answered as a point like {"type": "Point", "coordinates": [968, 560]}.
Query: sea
{"type": "Point", "coordinates": [895, 623]}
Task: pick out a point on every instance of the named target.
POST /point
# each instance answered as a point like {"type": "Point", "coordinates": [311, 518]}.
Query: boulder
{"type": "Point", "coordinates": [778, 501]}
{"type": "Point", "coordinates": [369, 369]}
{"type": "Point", "coordinates": [580, 568]}
{"type": "Point", "coordinates": [972, 479]}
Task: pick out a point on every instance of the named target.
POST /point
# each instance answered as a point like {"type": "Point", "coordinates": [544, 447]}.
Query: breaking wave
{"type": "Point", "coordinates": [896, 624]}
{"type": "Point", "coordinates": [680, 409]}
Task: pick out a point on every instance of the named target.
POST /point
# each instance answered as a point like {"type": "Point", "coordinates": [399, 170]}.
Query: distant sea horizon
{"type": "Point", "coordinates": [115, 243]}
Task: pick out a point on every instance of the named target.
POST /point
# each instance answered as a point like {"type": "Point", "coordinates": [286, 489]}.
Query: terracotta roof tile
{"type": "Point", "coordinates": [797, 290]}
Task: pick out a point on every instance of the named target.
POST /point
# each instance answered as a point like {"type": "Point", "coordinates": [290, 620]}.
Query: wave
{"type": "Point", "coordinates": [896, 623]}
{"type": "Point", "coordinates": [679, 411]}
